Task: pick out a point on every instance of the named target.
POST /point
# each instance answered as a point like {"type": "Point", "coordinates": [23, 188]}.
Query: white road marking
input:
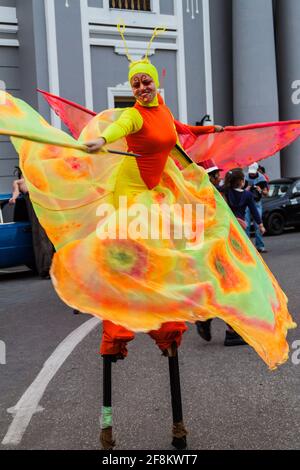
{"type": "Point", "coordinates": [29, 402]}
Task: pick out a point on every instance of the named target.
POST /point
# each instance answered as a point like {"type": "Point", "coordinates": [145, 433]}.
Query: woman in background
{"type": "Point", "coordinates": [239, 199]}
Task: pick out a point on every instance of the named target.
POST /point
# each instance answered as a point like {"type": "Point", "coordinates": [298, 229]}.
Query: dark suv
{"type": "Point", "coordinates": [281, 208]}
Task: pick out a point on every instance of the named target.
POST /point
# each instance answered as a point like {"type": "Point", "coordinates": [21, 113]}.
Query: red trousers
{"type": "Point", "coordinates": [115, 337]}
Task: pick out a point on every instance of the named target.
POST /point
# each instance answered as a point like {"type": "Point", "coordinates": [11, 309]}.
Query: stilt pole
{"type": "Point", "coordinates": [106, 438]}
{"type": "Point", "coordinates": [179, 431]}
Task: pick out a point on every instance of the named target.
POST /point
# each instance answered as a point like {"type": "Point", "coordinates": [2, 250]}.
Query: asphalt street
{"type": "Point", "coordinates": [230, 398]}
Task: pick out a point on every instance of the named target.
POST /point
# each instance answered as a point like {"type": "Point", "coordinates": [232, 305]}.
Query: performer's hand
{"type": "Point", "coordinates": [219, 128]}
{"type": "Point", "coordinates": [95, 145]}
{"type": "Point", "coordinates": [12, 201]}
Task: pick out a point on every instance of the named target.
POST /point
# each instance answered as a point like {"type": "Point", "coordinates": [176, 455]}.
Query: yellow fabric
{"type": "Point", "coordinates": [150, 105]}
{"type": "Point", "coordinates": [144, 66]}
{"type": "Point", "coordinates": [129, 181]}
{"type": "Point", "coordinates": [129, 122]}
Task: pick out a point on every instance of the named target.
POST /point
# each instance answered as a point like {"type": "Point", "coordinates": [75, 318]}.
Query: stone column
{"type": "Point", "coordinates": [255, 96]}
{"type": "Point", "coordinates": [70, 51]}
{"type": "Point", "coordinates": [221, 56]}
{"type": "Point", "coordinates": [288, 50]}
{"type": "Point", "coordinates": [33, 52]}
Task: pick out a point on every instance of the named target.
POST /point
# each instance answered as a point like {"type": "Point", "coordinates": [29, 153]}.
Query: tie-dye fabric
{"type": "Point", "coordinates": [142, 283]}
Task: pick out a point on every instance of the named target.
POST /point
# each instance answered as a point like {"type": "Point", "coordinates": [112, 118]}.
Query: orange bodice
{"type": "Point", "coordinates": [153, 142]}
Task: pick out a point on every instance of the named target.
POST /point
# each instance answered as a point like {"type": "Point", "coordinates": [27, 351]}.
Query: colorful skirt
{"type": "Point", "coordinates": [119, 260]}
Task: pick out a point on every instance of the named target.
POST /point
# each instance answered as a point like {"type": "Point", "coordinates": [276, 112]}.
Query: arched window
{"type": "Point", "coordinates": [137, 5]}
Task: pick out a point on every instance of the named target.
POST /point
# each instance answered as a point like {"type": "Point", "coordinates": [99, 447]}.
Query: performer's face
{"type": "Point", "coordinates": [143, 88]}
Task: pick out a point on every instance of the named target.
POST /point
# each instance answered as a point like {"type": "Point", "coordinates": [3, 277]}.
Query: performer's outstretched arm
{"type": "Point", "coordinates": [129, 122]}
{"type": "Point", "coordinates": [197, 130]}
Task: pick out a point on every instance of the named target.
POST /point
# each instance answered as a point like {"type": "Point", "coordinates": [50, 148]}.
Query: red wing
{"type": "Point", "coordinates": [74, 116]}
{"type": "Point", "coordinates": [239, 146]}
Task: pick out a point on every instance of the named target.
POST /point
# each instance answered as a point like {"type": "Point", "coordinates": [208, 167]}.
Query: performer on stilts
{"type": "Point", "coordinates": [150, 132]}
{"type": "Point", "coordinates": [136, 279]}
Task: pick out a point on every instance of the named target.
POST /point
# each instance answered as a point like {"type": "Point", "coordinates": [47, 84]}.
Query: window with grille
{"type": "Point", "coordinates": [136, 5]}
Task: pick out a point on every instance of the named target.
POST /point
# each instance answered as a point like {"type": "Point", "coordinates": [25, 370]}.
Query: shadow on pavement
{"type": "Point", "coordinates": [19, 272]}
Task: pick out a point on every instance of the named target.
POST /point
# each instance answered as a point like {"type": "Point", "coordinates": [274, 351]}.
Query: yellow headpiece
{"type": "Point", "coordinates": [143, 65]}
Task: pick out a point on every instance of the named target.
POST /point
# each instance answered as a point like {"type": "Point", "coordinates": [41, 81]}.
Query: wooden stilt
{"type": "Point", "coordinates": [106, 438]}
{"type": "Point", "coordinates": [107, 380]}
{"type": "Point", "coordinates": [179, 431]}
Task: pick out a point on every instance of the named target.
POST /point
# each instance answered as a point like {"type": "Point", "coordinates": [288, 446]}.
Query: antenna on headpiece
{"type": "Point", "coordinates": [121, 28]}
{"type": "Point", "coordinates": [159, 30]}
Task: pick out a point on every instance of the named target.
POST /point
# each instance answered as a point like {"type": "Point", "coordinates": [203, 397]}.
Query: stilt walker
{"type": "Point", "coordinates": [131, 275]}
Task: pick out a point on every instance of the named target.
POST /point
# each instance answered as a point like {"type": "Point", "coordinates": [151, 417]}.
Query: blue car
{"type": "Point", "coordinates": [15, 234]}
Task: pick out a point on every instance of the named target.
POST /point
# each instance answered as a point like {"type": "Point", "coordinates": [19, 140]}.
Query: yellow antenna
{"type": "Point", "coordinates": [159, 30]}
{"type": "Point", "coordinates": [121, 28]}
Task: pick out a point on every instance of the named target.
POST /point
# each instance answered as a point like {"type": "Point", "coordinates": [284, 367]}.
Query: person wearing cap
{"type": "Point", "coordinates": [257, 184]}
{"type": "Point", "coordinates": [214, 174]}
{"type": "Point", "coordinates": [262, 170]}
{"type": "Point", "coordinates": [213, 171]}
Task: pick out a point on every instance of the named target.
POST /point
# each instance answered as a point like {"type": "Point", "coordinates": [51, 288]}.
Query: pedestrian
{"type": "Point", "coordinates": [238, 200]}
{"type": "Point", "coordinates": [262, 170]}
{"type": "Point", "coordinates": [42, 247]}
{"type": "Point", "coordinates": [18, 187]}
{"type": "Point", "coordinates": [214, 173]}
{"type": "Point", "coordinates": [256, 183]}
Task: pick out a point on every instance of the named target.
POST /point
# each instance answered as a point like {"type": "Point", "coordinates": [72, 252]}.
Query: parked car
{"type": "Point", "coordinates": [15, 234]}
{"type": "Point", "coordinates": [281, 208]}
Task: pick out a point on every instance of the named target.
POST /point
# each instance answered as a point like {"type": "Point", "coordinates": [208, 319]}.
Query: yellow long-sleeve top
{"type": "Point", "coordinates": [129, 122]}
